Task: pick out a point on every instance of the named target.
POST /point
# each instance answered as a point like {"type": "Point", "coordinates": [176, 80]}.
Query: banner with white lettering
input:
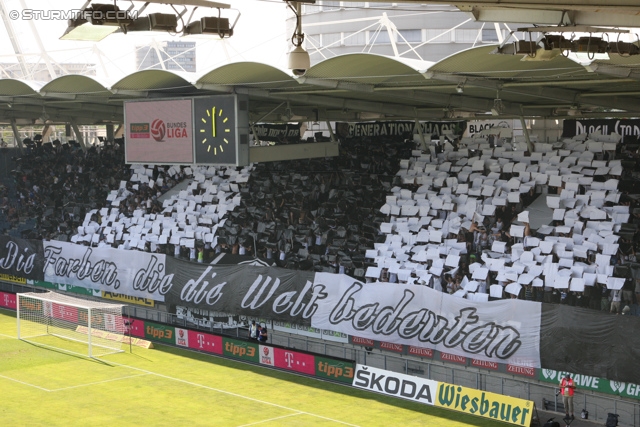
{"type": "Point", "coordinates": [418, 389]}
{"type": "Point", "coordinates": [263, 292]}
{"type": "Point", "coordinates": [21, 258]}
{"type": "Point", "coordinates": [506, 331]}
{"type": "Point", "coordinates": [623, 127]}
{"type": "Point", "coordinates": [133, 273]}
{"type": "Point", "coordinates": [277, 132]}
{"type": "Point", "coordinates": [399, 129]}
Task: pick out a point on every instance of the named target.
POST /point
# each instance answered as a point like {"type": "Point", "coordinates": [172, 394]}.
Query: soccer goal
{"type": "Point", "coordinates": [73, 325]}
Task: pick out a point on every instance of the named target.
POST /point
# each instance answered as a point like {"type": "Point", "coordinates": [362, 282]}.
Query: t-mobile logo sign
{"type": "Point", "coordinates": [200, 340]}
{"type": "Point", "coordinates": [6, 300]}
{"type": "Point", "coordinates": [288, 358]}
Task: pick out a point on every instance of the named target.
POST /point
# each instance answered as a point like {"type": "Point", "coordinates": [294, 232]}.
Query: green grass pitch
{"type": "Point", "coordinates": [167, 386]}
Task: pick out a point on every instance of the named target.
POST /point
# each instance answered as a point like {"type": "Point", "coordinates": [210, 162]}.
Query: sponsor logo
{"type": "Point", "coordinates": [182, 337]}
{"type": "Point", "coordinates": [13, 279]}
{"type": "Point", "coordinates": [241, 350]}
{"type": "Point", "coordinates": [200, 340]}
{"type": "Point", "coordinates": [453, 358]}
{"type": "Point", "coordinates": [484, 364]}
{"type": "Point", "coordinates": [158, 130]}
{"type": "Point", "coordinates": [395, 384]}
{"type": "Point", "coordinates": [549, 374]}
{"type": "Point", "coordinates": [334, 369]}
{"type": "Point", "coordinates": [362, 341]}
{"type": "Point", "coordinates": [159, 332]}
{"type": "Point", "coordinates": [127, 298]}
{"type": "Point", "coordinates": [139, 130]}
{"type": "Point", "coordinates": [489, 405]}
{"type": "Point", "coordinates": [617, 386]}
{"type": "Point", "coordinates": [8, 300]}
{"type": "Point", "coordinates": [266, 355]}
{"type": "Point", "coordinates": [391, 346]}
{"type": "Point", "coordinates": [522, 370]}
{"type": "Point", "coordinates": [422, 352]}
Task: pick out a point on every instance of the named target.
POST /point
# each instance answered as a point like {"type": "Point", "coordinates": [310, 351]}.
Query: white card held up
{"type": "Point", "coordinates": [495, 291]}
{"type": "Point", "coordinates": [523, 216]}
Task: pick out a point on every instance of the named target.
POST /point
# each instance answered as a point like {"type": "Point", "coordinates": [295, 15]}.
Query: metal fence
{"type": "Point", "coordinates": [598, 405]}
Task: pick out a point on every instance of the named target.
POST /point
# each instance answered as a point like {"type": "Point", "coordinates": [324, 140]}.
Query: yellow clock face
{"type": "Point", "coordinates": [215, 130]}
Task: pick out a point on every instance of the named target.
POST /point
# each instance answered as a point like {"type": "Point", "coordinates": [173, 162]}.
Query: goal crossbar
{"type": "Point", "coordinates": [70, 319]}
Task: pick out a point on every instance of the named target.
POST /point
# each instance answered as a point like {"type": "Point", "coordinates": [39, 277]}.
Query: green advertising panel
{"type": "Point", "coordinates": [240, 350]}
{"type": "Point", "coordinates": [157, 332]}
{"type": "Point", "coordinates": [335, 370]}
{"type": "Point", "coordinates": [587, 383]}
{"type": "Point", "coordinates": [67, 288]}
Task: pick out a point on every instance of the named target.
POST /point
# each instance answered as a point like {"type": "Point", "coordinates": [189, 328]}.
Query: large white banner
{"type": "Point", "coordinates": [394, 384]}
{"type": "Point", "coordinates": [505, 331]}
{"type": "Point", "coordinates": [132, 273]}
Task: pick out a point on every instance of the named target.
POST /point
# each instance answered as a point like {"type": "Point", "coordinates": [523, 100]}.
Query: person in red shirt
{"type": "Point", "coordinates": [567, 388]}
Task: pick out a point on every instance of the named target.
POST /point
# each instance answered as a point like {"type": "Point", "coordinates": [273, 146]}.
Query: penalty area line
{"type": "Point", "coordinates": [264, 402]}
{"type": "Point", "coordinates": [25, 383]}
{"type": "Point", "coordinates": [272, 419]}
{"type": "Point", "coordinates": [98, 382]}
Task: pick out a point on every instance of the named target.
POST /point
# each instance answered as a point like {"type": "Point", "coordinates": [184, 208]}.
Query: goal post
{"type": "Point", "coordinates": [73, 325]}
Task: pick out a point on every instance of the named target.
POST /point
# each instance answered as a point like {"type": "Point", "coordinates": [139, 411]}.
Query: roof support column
{"type": "Point", "coordinates": [530, 146]}
{"type": "Point", "coordinates": [46, 132]}
{"type": "Point", "coordinates": [16, 135]}
{"type": "Point", "coordinates": [423, 143]}
{"type": "Point", "coordinates": [79, 138]}
{"type": "Point", "coordinates": [333, 135]}
{"type": "Point", "coordinates": [109, 130]}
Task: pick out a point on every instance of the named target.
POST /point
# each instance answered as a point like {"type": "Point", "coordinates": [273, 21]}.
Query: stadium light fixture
{"type": "Point", "coordinates": [94, 22]}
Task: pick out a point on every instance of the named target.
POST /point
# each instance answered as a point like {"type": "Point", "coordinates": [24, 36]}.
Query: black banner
{"type": "Point", "coordinates": [265, 292]}
{"type": "Point", "coordinates": [21, 258]}
{"type": "Point", "coordinates": [398, 129]}
{"type": "Point", "coordinates": [277, 133]}
{"type": "Point", "coordinates": [624, 127]}
{"type": "Point", "coordinates": [589, 342]}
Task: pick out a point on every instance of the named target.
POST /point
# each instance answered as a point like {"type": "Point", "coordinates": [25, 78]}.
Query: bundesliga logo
{"type": "Point", "coordinates": [158, 130]}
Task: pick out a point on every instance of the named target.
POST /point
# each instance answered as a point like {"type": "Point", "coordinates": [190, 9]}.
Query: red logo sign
{"type": "Point", "coordinates": [294, 361]}
{"type": "Point", "coordinates": [453, 358]}
{"type": "Point", "coordinates": [362, 341]}
{"type": "Point", "coordinates": [265, 350]}
{"type": "Point", "coordinates": [7, 300]}
{"type": "Point", "coordinates": [419, 351]}
{"type": "Point", "coordinates": [205, 342]}
{"type": "Point", "coordinates": [522, 370]}
{"type": "Point", "coordinates": [391, 346]}
{"type": "Point", "coordinates": [484, 364]}
{"type": "Point", "coordinates": [158, 130]}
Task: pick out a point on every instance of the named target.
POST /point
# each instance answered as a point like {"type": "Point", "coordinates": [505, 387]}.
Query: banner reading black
{"type": "Point", "coordinates": [22, 258]}
{"type": "Point", "coordinates": [264, 292]}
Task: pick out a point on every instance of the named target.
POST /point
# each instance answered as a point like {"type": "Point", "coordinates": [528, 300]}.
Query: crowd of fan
{"type": "Point", "coordinates": [316, 214]}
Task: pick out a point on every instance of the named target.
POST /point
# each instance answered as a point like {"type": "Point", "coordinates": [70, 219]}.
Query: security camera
{"type": "Point", "coordinates": [299, 61]}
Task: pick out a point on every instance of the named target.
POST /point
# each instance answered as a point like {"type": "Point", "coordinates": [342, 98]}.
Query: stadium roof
{"type": "Point", "coordinates": [355, 87]}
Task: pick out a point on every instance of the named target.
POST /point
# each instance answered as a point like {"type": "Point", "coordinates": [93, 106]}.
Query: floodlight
{"type": "Point", "coordinates": [210, 25]}
{"type": "Point", "coordinates": [80, 29]}
{"type": "Point", "coordinates": [155, 22]}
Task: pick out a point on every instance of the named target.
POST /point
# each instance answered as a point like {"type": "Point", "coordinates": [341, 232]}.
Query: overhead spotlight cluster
{"type": "Point", "coordinates": [551, 45]}
{"type": "Point", "coordinates": [94, 22]}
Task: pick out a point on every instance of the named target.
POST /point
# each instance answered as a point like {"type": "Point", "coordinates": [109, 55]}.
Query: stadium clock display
{"type": "Point", "coordinates": [215, 130]}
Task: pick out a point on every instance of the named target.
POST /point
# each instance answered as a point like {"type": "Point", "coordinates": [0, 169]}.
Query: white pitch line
{"type": "Point", "coordinates": [272, 419]}
{"type": "Point", "coordinates": [98, 382]}
{"type": "Point", "coordinates": [24, 383]}
{"type": "Point", "coordinates": [235, 394]}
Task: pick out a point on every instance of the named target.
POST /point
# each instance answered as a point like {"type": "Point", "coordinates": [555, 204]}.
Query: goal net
{"type": "Point", "coordinates": [70, 324]}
